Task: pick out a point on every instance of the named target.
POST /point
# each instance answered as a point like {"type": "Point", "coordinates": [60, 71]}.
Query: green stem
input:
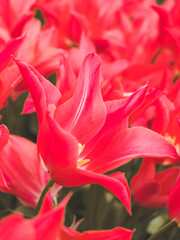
{"type": "Point", "coordinates": [91, 208]}
{"type": "Point", "coordinates": [170, 225]}
{"type": "Point", "coordinates": [46, 188]}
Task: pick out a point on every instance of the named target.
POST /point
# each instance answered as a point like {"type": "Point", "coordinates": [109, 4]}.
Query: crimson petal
{"type": "Point", "coordinates": [118, 112]}
{"type": "Point", "coordinates": [116, 183]}
{"type": "Point", "coordinates": [117, 233]}
{"type": "Point", "coordinates": [42, 91]}
{"type": "Point", "coordinates": [84, 114]}
{"type": "Point", "coordinates": [126, 145]}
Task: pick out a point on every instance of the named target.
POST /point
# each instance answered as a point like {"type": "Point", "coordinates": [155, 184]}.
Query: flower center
{"type": "Point", "coordinates": [81, 148]}
{"type": "Point", "coordinates": [172, 140]}
{"type": "Point", "coordinates": [81, 161]}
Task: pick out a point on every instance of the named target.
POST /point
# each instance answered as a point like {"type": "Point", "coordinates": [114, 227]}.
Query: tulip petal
{"type": "Point", "coordinates": [42, 91]}
{"type": "Point", "coordinates": [15, 227]}
{"type": "Point", "coordinates": [57, 147]}
{"type": "Point", "coordinates": [117, 233]}
{"type": "Point", "coordinates": [150, 189]}
{"type": "Point", "coordinates": [116, 183]}
{"type": "Point", "coordinates": [4, 136]}
{"type": "Point", "coordinates": [9, 79]}
{"type": "Point", "coordinates": [173, 205]}
{"type": "Point", "coordinates": [118, 112]}
{"type": "Point", "coordinates": [19, 164]}
{"type": "Point", "coordinates": [47, 225]}
{"type": "Point", "coordinates": [8, 50]}
{"type": "Point", "coordinates": [84, 114]}
{"type": "Point", "coordinates": [126, 145]}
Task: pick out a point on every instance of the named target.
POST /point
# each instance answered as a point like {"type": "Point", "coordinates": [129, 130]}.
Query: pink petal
{"type": "Point", "coordinates": [77, 55]}
{"type": "Point", "coordinates": [146, 174]}
{"type": "Point", "coordinates": [28, 50]}
{"type": "Point", "coordinates": [173, 204]}
{"type": "Point", "coordinates": [84, 114]}
{"type": "Point", "coordinates": [149, 195]}
{"type": "Point", "coordinates": [164, 108]}
{"type": "Point", "coordinates": [20, 23]}
{"type": "Point", "coordinates": [22, 7]}
{"type": "Point", "coordinates": [47, 225]}
{"type": "Point", "coordinates": [117, 233]}
{"type": "Point", "coordinates": [28, 105]}
{"type": "Point", "coordinates": [4, 136]}
{"type": "Point", "coordinates": [113, 69]}
{"type": "Point", "coordinates": [167, 178]}
{"type": "Point", "coordinates": [3, 185]}
{"type": "Point", "coordinates": [56, 147]}
{"type": "Point", "coordinates": [42, 91]}
{"type": "Point", "coordinates": [118, 112]}
{"type": "Point", "coordinates": [116, 183]}
{"type": "Point", "coordinates": [9, 49]}
{"type": "Point", "coordinates": [150, 189]}
{"type": "Point", "coordinates": [16, 227]}
{"type": "Point", "coordinates": [148, 102]}
{"type": "Point", "coordinates": [126, 145]}
{"type": "Point", "coordinates": [47, 204]}
{"type": "Point", "coordinates": [67, 80]}
{"type": "Point", "coordinates": [9, 78]}
{"type": "Point", "coordinates": [19, 163]}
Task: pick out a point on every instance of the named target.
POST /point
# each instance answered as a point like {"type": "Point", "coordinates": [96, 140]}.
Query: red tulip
{"type": "Point", "coordinates": [151, 189]}
{"type": "Point", "coordinates": [20, 171]}
{"type": "Point", "coordinates": [86, 120]}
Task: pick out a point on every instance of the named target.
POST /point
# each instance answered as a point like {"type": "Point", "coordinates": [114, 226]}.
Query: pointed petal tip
{"type": "Point", "coordinates": [129, 211]}
{"type": "Point", "coordinates": [19, 63]}
{"type": "Point", "coordinates": [93, 56]}
{"type": "Point", "coordinates": [64, 202]}
{"type": "Point", "coordinates": [15, 59]}
{"type": "Point", "coordinates": [145, 87]}
{"type": "Point", "coordinates": [127, 205]}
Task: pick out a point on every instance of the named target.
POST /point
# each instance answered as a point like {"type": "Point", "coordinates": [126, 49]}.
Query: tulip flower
{"type": "Point", "coordinates": [17, 20]}
{"type": "Point", "coordinates": [9, 74]}
{"type": "Point", "coordinates": [85, 137]}
{"type": "Point", "coordinates": [151, 189]}
{"type": "Point", "coordinates": [73, 18]}
{"type": "Point", "coordinates": [13, 17]}
{"type": "Point", "coordinates": [168, 29]}
{"type": "Point", "coordinates": [20, 171]}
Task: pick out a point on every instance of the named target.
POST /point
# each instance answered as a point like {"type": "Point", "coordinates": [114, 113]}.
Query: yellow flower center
{"type": "Point", "coordinates": [81, 148]}
{"type": "Point", "coordinates": [83, 161]}
{"type": "Point", "coordinates": [172, 140]}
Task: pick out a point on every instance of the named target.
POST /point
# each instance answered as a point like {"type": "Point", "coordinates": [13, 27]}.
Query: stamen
{"type": "Point", "coordinates": [172, 140]}
{"type": "Point", "coordinates": [81, 147]}
{"type": "Point", "coordinates": [82, 162]}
